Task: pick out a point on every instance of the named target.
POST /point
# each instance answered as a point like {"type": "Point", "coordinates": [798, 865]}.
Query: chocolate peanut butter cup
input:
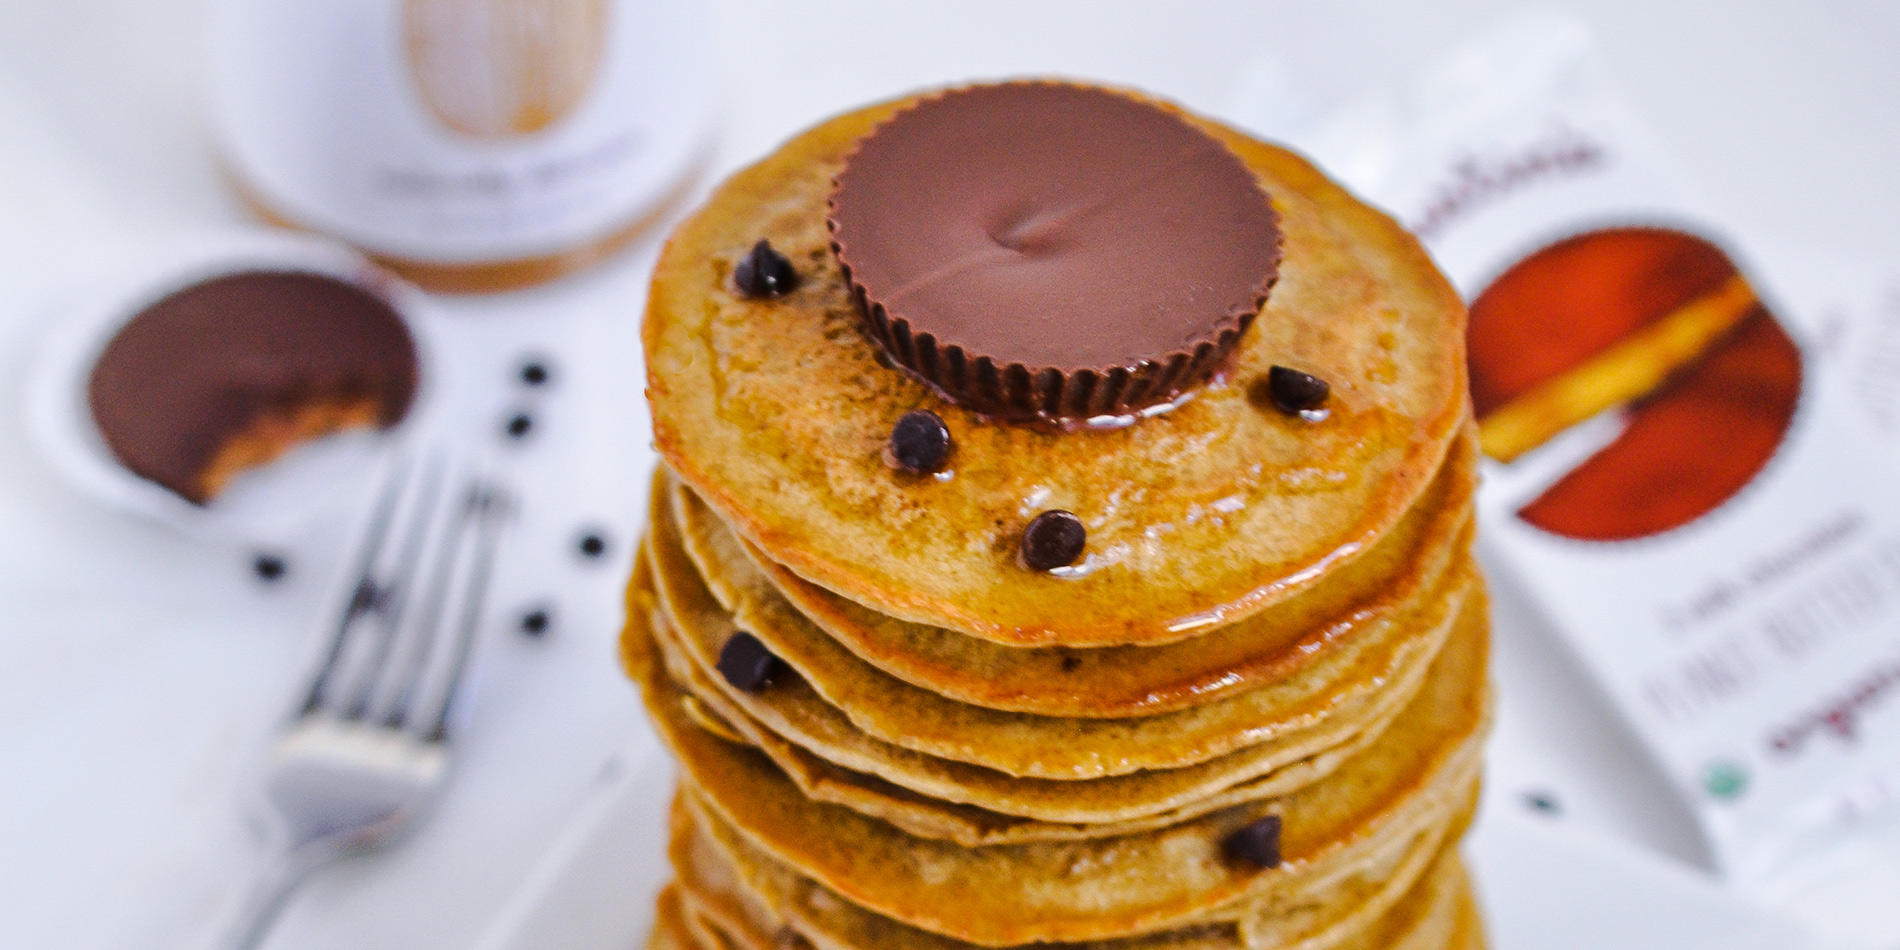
{"type": "Point", "coordinates": [1040, 250]}
{"type": "Point", "coordinates": [231, 372]}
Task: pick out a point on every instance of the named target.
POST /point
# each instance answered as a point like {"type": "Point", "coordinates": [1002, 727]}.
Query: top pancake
{"type": "Point", "coordinates": [776, 411]}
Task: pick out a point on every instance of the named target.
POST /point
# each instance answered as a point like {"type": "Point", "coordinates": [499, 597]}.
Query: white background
{"type": "Point", "coordinates": [140, 669]}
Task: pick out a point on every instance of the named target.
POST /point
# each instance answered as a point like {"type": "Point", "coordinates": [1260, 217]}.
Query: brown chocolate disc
{"type": "Point", "coordinates": [1053, 251]}
{"type": "Point", "coordinates": [227, 373]}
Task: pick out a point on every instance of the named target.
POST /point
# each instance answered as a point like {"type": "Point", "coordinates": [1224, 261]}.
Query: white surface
{"type": "Point", "coordinates": [138, 668]}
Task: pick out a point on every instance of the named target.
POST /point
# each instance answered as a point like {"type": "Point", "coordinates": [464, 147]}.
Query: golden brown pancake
{"type": "Point", "coordinates": [1250, 716]}
{"type": "Point", "coordinates": [709, 932]}
{"type": "Point", "coordinates": [669, 924]}
{"type": "Point", "coordinates": [1469, 932]}
{"type": "Point", "coordinates": [1056, 811]}
{"type": "Point", "coordinates": [1113, 682]}
{"type": "Point", "coordinates": [776, 412]}
{"type": "Point", "coordinates": [1319, 906]}
{"type": "Point", "coordinates": [846, 694]}
{"type": "Point", "coordinates": [1406, 787]}
{"type": "Point", "coordinates": [747, 896]}
{"type": "Point", "coordinates": [831, 761]}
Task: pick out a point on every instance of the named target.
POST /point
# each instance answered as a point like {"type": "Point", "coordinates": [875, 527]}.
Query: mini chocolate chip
{"type": "Point", "coordinates": [593, 545]}
{"type": "Point", "coordinates": [1071, 663]}
{"type": "Point", "coordinates": [765, 272]}
{"type": "Point", "coordinates": [482, 499]}
{"type": "Point", "coordinates": [920, 442]}
{"type": "Point", "coordinates": [534, 372]}
{"type": "Point", "coordinates": [519, 425]}
{"type": "Point", "coordinates": [1257, 843]}
{"type": "Point", "coordinates": [369, 597]}
{"type": "Point", "coordinates": [269, 566]}
{"type": "Point", "coordinates": [535, 622]}
{"type": "Point", "coordinates": [747, 664]}
{"type": "Point", "coordinates": [1054, 539]}
{"type": "Point", "coordinates": [1296, 392]}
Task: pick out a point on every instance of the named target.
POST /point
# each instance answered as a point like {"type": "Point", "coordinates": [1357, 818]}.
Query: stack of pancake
{"type": "Point", "coordinates": [1248, 715]}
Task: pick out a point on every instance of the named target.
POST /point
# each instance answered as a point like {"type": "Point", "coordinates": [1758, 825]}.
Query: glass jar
{"type": "Point", "coordinates": [470, 145]}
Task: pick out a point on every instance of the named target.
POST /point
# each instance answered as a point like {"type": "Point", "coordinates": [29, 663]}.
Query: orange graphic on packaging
{"type": "Point", "coordinates": [1659, 325]}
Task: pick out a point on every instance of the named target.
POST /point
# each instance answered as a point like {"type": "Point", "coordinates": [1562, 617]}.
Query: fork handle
{"type": "Point", "coordinates": [269, 891]}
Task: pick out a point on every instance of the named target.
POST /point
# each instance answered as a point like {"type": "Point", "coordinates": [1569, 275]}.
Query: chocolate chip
{"type": "Point", "coordinates": [535, 372]}
{"type": "Point", "coordinates": [920, 442]}
{"type": "Point", "coordinates": [1054, 539]}
{"type": "Point", "coordinates": [747, 664]}
{"type": "Point", "coordinates": [482, 499]}
{"type": "Point", "coordinates": [1257, 844]}
{"type": "Point", "coordinates": [269, 566]}
{"type": "Point", "coordinates": [592, 544]}
{"type": "Point", "coordinates": [369, 597]}
{"type": "Point", "coordinates": [765, 273]}
{"type": "Point", "coordinates": [1295, 392]}
{"type": "Point", "coordinates": [536, 622]}
{"type": "Point", "coordinates": [519, 425]}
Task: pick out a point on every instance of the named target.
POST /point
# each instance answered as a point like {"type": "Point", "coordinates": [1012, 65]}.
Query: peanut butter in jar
{"type": "Point", "coordinates": [471, 145]}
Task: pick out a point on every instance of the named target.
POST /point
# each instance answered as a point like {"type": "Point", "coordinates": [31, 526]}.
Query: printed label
{"type": "Point", "coordinates": [462, 130]}
{"type": "Point", "coordinates": [500, 68]}
{"type": "Point", "coordinates": [1696, 499]}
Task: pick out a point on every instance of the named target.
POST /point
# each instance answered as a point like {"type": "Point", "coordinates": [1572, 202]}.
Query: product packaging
{"type": "Point", "coordinates": [1682, 472]}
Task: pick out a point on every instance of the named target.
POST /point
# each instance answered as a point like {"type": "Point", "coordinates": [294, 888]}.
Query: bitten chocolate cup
{"type": "Point", "coordinates": [109, 458]}
{"type": "Point", "coordinates": [1056, 252]}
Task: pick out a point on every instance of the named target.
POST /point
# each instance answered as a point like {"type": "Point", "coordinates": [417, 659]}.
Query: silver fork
{"type": "Point", "coordinates": [367, 748]}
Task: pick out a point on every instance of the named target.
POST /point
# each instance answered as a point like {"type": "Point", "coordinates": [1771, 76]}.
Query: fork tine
{"type": "Point", "coordinates": [340, 780]}
{"type": "Point", "coordinates": [375, 533]}
{"type": "Point", "coordinates": [395, 588]}
{"type": "Point", "coordinates": [419, 638]}
{"type": "Point", "coordinates": [487, 505]}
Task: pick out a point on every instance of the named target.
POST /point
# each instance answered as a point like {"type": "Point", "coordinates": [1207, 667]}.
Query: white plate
{"type": "Point", "coordinates": [1542, 886]}
{"type": "Point", "coordinates": [594, 888]}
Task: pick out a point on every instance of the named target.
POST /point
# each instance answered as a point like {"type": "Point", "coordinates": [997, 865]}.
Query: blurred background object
{"type": "Point", "coordinates": [469, 144]}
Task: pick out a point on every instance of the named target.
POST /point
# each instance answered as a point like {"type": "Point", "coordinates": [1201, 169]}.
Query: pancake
{"type": "Point", "coordinates": [1019, 671]}
{"type": "Point", "coordinates": [669, 923]}
{"type": "Point", "coordinates": [1316, 905]}
{"type": "Point", "coordinates": [746, 896]}
{"type": "Point", "coordinates": [1407, 786]}
{"type": "Point", "coordinates": [1351, 684]}
{"type": "Point", "coordinates": [1125, 681]}
{"type": "Point", "coordinates": [1468, 932]}
{"type": "Point", "coordinates": [1055, 811]}
{"type": "Point", "coordinates": [776, 412]}
{"type": "Point", "coordinates": [708, 931]}
{"type": "Point", "coordinates": [830, 760]}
